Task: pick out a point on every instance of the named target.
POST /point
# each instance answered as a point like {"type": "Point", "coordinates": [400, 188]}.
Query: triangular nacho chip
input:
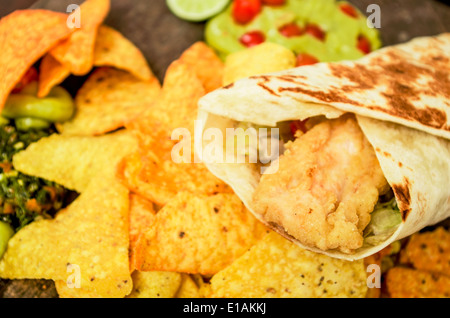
{"type": "Point", "coordinates": [153, 173]}
{"type": "Point", "coordinates": [114, 50]}
{"type": "Point", "coordinates": [142, 216]}
{"type": "Point", "coordinates": [208, 67]}
{"type": "Point", "coordinates": [111, 49]}
{"type": "Point", "coordinates": [155, 284]}
{"type": "Point", "coordinates": [86, 245]}
{"type": "Point", "coordinates": [108, 100]}
{"type": "Point", "coordinates": [51, 73]}
{"type": "Point", "coordinates": [25, 36]}
{"type": "Point", "coordinates": [188, 288]}
{"type": "Point", "coordinates": [176, 107]}
{"type": "Point", "coordinates": [77, 52]}
{"type": "Point", "coordinates": [74, 161]}
{"type": "Point", "coordinates": [277, 268]}
{"type": "Point", "coordinates": [199, 234]}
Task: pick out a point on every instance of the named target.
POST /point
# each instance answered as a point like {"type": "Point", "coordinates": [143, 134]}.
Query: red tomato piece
{"type": "Point", "coordinates": [30, 76]}
{"type": "Point", "coordinates": [245, 11]}
{"type": "Point", "coordinates": [252, 38]}
{"type": "Point", "coordinates": [349, 10]}
{"type": "Point", "coordinates": [315, 31]}
{"type": "Point", "coordinates": [306, 59]}
{"type": "Point", "coordinates": [364, 44]}
{"type": "Point", "coordinates": [298, 125]}
{"type": "Point", "coordinates": [274, 2]}
{"type": "Point", "coordinates": [291, 30]}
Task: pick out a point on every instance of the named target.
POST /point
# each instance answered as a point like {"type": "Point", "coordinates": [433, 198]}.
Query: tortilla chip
{"type": "Point", "coordinates": [108, 100]}
{"type": "Point", "coordinates": [51, 73]}
{"type": "Point", "coordinates": [26, 36]}
{"type": "Point", "coordinates": [64, 291]}
{"type": "Point", "coordinates": [410, 283]}
{"type": "Point", "coordinates": [188, 288]}
{"type": "Point", "coordinates": [155, 284]}
{"type": "Point", "coordinates": [114, 50]}
{"type": "Point", "coordinates": [276, 268]}
{"type": "Point", "coordinates": [86, 243]}
{"type": "Point", "coordinates": [142, 216]}
{"type": "Point", "coordinates": [206, 65]}
{"type": "Point", "coordinates": [199, 234]}
{"type": "Point", "coordinates": [77, 52]}
{"type": "Point", "coordinates": [261, 59]}
{"type": "Point", "coordinates": [176, 106]}
{"type": "Point", "coordinates": [429, 251]}
{"type": "Point", "coordinates": [158, 178]}
{"type": "Point", "coordinates": [74, 161]}
{"type": "Point", "coordinates": [153, 173]}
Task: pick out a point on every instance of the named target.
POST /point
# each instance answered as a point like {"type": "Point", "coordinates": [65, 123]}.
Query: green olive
{"type": "Point", "coordinates": [28, 123]}
{"type": "Point", "coordinates": [58, 106]}
{"type": "Point", "coordinates": [6, 232]}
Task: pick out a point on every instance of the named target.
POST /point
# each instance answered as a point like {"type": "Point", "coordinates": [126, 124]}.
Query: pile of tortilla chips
{"type": "Point", "coordinates": [143, 225]}
{"type": "Point", "coordinates": [423, 268]}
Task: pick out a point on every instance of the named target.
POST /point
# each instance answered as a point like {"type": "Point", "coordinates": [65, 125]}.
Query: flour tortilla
{"type": "Point", "coordinates": [401, 98]}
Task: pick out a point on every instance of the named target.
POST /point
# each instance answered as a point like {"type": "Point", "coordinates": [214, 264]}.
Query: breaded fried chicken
{"type": "Point", "coordinates": [327, 184]}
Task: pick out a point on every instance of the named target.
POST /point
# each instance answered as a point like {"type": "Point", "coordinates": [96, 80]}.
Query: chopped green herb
{"type": "Point", "coordinates": [24, 198]}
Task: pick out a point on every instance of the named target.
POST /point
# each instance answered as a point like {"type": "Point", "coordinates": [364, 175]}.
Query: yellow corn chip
{"type": "Point", "coordinates": [155, 284]}
{"type": "Point", "coordinates": [26, 35]}
{"type": "Point", "coordinates": [77, 52]}
{"type": "Point", "coordinates": [199, 234]}
{"type": "Point", "coordinates": [276, 268]}
{"type": "Point", "coordinates": [74, 161]}
{"type": "Point", "coordinates": [206, 64]}
{"type": "Point", "coordinates": [188, 288]}
{"type": "Point", "coordinates": [260, 59]}
{"type": "Point", "coordinates": [114, 50]}
{"type": "Point", "coordinates": [142, 216]}
{"type": "Point", "coordinates": [65, 290]}
{"type": "Point", "coordinates": [86, 245]}
{"type": "Point", "coordinates": [108, 100]}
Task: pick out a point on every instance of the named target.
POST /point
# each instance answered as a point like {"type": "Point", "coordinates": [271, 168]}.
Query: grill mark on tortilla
{"type": "Point", "coordinates": [291, 78]}
{"type": "Point", "coordinates": [399, 94]}
{"type": "Point", "coordinates": [228, 86]}
{"type": "Point", "coordinates": [263, 85]}
{"type": "Point", "coordinates": [328, 97]}
{"type": "Point", "coordinates": [403, 195]}
{"type": "Point", "coordinates": [430, 117]}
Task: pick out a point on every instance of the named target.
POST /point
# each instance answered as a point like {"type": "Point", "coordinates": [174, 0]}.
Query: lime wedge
{"type": "Point", "coordinates": [196, 10]}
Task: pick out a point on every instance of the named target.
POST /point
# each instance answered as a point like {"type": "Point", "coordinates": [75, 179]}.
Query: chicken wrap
{"type": "Point", "coordinates": [359, 151]}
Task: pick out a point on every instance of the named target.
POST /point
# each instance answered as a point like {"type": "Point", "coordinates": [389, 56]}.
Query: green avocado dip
{"type": "Point", "coordinates": [341, 32]}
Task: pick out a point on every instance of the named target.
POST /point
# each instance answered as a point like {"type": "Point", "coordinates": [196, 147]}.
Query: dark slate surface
{"type": "Point", "coordinates": [162, 38]}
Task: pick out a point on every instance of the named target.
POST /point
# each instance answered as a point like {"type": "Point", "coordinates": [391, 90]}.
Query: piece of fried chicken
{"type": "Point", "coordinates": [327, 184]}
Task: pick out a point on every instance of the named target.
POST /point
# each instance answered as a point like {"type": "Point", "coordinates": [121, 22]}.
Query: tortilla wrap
{"type": "Point", "coordinates": [401, 98]}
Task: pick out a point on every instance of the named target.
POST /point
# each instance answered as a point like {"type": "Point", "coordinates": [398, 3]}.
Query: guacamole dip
{"type": "Point", "coordinates": [341, 31]}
